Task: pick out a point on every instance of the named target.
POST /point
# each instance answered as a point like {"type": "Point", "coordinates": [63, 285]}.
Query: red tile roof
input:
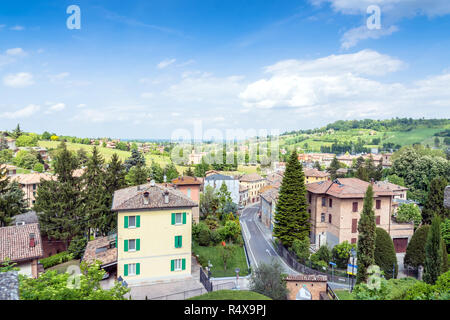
{"type": "Point", "coordinates": [346, 188]}
{"type": "Point", "coordinates": [187, 180]}
{"type": "Point", "coordinates": [315, 173]}
{"type": "Point", "coordinates": [108, 256]}
{"type": "Point", "coordinates": [252, 177]}
{"type": "Point", "coordinates": [15, 243]}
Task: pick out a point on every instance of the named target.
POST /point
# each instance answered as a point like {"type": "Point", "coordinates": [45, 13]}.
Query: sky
{"type": "Point", "coordinates": [144, 69]}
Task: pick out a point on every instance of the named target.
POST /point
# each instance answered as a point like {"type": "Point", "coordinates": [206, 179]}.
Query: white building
{"type": "Point", "coordinates": [215, 180]}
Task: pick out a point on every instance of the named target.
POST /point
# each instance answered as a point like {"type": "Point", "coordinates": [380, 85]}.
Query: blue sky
{"type": "Point", "coordinates": [141, 69]}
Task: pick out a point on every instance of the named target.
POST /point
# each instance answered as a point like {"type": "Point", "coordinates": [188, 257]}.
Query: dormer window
{"type": "Point", "coordinates": [146, 198]}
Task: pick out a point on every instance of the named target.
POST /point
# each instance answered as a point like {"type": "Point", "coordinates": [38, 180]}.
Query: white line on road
{"type": "Point", "coordinates": [244, 227]}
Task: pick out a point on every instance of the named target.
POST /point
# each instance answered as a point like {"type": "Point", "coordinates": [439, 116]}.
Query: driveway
{"type": "Point", "coordinates": [258, 239]}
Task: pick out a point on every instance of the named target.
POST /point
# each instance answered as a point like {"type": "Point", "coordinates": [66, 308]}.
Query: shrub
{"type": "Point", "coordinates": [196, 228]}
{"type": "Point", "coordinates": [384, 253]}
{"type": "Point", "coordinates": [38, 167]}
{"type": "Point", "coordinates": [409, 213]}
{"type": "Point", "coordinates": [341, 253]}
{"type": "Point", "coordinates": [212, 222]}
{"type": "Point", "coordinates": [77, 246]}
{"type": "Point", "coordinates": [56, 259]}
{"type": "Point", "coordinates": [324, 254]}
{"type": "Point", "coordinates": [204, 237]}
{"type": "Point", "coordinates": [301, 249]}
{"type": "Point", "coordinates": [231, 230]}
{"type": "Point", "coordinates": [216, 236]}
{"type": "Point", "coordinates": [415, 252]}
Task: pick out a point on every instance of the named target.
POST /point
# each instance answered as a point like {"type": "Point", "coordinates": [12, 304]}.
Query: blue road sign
{"type": "Point", "coordinates": [333, 264]}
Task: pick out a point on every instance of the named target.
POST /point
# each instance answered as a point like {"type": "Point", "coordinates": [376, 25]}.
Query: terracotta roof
{"type": "Point", "coordinates": [315, 173]}
{"type": "Point", "coordinates": [252, 177]}
{"type": "Point", "coordinates": [32, 178]}
{"type": "Point", "coordinates": [133, 198]}
{"type": "Point", "coordinates": [307, 277]}
{"type": "Point", "coordinates": [99, 249]}
{"type": "Point", "coordinates": [15, 243]}
{"type": "Point", "coordinates": [266, 188]}
{"type": "Point", "coordinates": [390, 186]}
{"type": "Point", "coordinates": [346, 188]}
{"type": "Point", "coordinates": [187, 180]}
{"type": "Point", "coordinates": [271, 195]}
{"type": "Point", "coordinates": [218, 176]}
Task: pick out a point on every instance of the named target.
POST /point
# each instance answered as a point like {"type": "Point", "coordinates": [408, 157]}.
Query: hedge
{"type": "Point", "coordinates": [384, 253]}
{"type": "Point", "coordinates": [56, 259]}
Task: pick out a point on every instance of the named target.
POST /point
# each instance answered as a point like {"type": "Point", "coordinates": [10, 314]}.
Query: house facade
{"type": "Point", "coordinates": [269, 200]}
{"type": "Point", "coordinates": [215, 180]}
{"type": "Point", "coordinates": [335, 208]}
{"type": "Point", "coordinates": [254, 182]}
{"type": "Point", "coordinates": [154, 225]}
{"type": "Point", "coordinates": [314, 175]}
{"type": "Point", "coordinates": [29, 183]}
{"type": "Point", "coordinates": [191, 187]}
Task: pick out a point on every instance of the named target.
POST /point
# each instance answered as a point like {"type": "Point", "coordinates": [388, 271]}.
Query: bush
{"type": "Point", "coordinates": [56, 259]}
{"type": "Point", "coordinates": [196, 228]}
{"type": "Point", "coordinates": [38, 167]}
{"type": "Point", "coordinates": [204, 237]}
{"type": "Point", "coordinates": [341, 253]}
{"type": "Point", "coordinates": [324, 254]}
{"type": "Point", "coordinates": [216, 237]}
{"type": "Point", "coordinates": [409, 213]}
{"type": "Point", "coordinates": [415, 252]}
{"type": "Point", "coordinates": [77, 246]}
{"type": "Point", "coordinates": [384, 253]}
{"type": "Point", "coordinates": [301, 249]}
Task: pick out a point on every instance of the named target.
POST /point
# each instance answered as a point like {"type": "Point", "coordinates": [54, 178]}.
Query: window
{"type": "Point", "coordinates": [378, 204]}
{"type": "Point", "coordinates": [329, 218]}
{"type": "Point", "coordinates": [331, 203]}
{"type": "Point", "coordinates": [355, 206]}
{"type": "Point", "coordinates": [179, 218]}
{"type": "Point", "coordinates": [132, 245]}
{"type": "Point", "coordinates": [322, 217]}
{"type": "Point", "coordinates": [177, 264]}
{"type": "Point", "coordinates": [377, 219]}
{"type": "Point", "coordinates": [34, 186]}
{"type": "Point", "coordinates": [353, 240]}
{"type": "Point", "coordinates": [178, 241]}
{"type": "Point", "coordinates": [132, 222]}
{"type": "Point", "coordinates": [309, 198]}
{"type": "Point", "coordinates": [189, 192]}
{"type": "Point", "coordinates": [324, 202]}
{"type": "Point", "coordinates": [132, 269]}
{"type": "Point", "coordinates": [354, 225]}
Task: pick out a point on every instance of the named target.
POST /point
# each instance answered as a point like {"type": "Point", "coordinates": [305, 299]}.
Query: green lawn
{"type": "Point", "coordinates": [61, 268]}
{"type": "Point", "coordinates": [344, 295]}
{"type": "Point", "coordinates": [231, 295]}
{"type": "Point", "coordinates": [237, 260]}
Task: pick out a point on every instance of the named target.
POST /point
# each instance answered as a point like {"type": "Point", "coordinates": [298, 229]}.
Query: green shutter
{"type": "Point", "coordinates": [125, 245]}
{"type": "Point", "coordinates": [125, 269]}
{"type": "Point", "coordinates": [138, 268]}
{"type": "Point", "coordinates": [116, 240]}
{"type": "Point", "coordinates": [138, 244]}
{"type": "Point", "coordinates": [172, 265]}
{"type": "Point", "coordinates": [176, 241]}
{"type": "Point", "coordinates": [138, 221]}
{"type": "Point", "coordinates": [183, 264]}
{"type": "Point", "coordinates": [184, 217]}
{"type": "Point", "coordinates": [126, 222]}
{"type": "Point", "coordinates": [173, 218]}
{"type": "Point", "coordinates": [180, 241]}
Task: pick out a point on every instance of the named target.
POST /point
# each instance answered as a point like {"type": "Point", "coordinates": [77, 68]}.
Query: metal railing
{"type": "Point", "coordinates": [180, 295]}
{"type": "Point", "coordinates": [331, 293]}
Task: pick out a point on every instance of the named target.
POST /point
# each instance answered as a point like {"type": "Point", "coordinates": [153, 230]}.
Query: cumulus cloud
{"type": "Point", "coordinates": [11, 55]}
{"type": "Point", "coordinates": [18, 80]}
{"type": "Point", "coordinates": [15, 52]}
{"type": "Point", "coordinates": [21, 113]}
{"type": "Point", "coordinates": [165, 63]}
{"type": "Point", "coordinates": [344, 86]}
{"type": "Point", "coordinates": [58, 77]}
{"type": "Point", "coordinates": [392, 11]}
{"type": "Point", "coordinates": [55, 107]}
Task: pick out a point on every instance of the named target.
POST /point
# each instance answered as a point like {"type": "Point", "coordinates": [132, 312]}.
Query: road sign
{"type": "Point", "coordinates": [352, 269]}
{"type": "Point", "coordinates": [333, 264]}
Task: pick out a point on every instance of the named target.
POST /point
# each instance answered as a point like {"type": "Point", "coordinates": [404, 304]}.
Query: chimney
{"type": "Point", "coordinates": [152, 183]}
{"type": "Point", "coordinates": [165, 178]}
{"type": "Point", "coordinates": [146, 197]}
{"type": "Point", "coordinates": [32, 240]}
{"type": "Point", "coordinates": [166, 197]}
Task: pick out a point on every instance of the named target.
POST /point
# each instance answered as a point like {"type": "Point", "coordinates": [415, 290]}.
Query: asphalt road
{"type": "Point", "coordinates": [259, 247]}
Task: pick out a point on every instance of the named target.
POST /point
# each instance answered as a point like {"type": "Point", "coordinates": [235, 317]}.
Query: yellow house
{"type": "Point", "coordinates": [154, 224]}
{"type": "Point", "coordinates": [253, 182]}
{"type": "Point", "coordinates": [314, 175]}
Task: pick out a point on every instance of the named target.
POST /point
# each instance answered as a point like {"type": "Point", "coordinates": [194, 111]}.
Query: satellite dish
{"type": "Point", "coordinates": [303, 294]}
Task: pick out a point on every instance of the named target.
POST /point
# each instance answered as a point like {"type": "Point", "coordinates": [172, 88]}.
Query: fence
{"type": "Point", "coordinates": [204, 279]}
{"type": "Point", "coordinates": [331, 293]}
{"type": "Point", "coordinates": [180, 295]}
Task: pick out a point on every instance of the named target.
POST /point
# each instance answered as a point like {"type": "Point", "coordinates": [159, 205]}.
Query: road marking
{"type": "Point", "coordinates": [268, 252]}
{"type": "Point", "coordinates": [244, 225]}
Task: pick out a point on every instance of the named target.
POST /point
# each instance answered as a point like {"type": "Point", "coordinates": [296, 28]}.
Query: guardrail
{"type": "Point", "coordinates": [331, 293]}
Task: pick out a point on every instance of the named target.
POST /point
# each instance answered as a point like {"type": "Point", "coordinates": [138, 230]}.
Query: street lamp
{"type": "Point", "coordinates": [237, 270]}
{"type": "Point", "coordinates": [353, 252]}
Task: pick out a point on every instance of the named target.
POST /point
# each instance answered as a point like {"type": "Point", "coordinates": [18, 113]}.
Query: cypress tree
{"type": "Point", "coordinates": [291, 216]}
{"type": "Point", "coordinates": [11, 199]}
{"type": "Point", "coordinates": [435, 200]}
{"type": "Point", "coordinates": [137, 175]}
{"type": "Point", "coordinates": [384, 254]}
{"type": "Point", "coordinates": [433, 252]}
{"type": "Point", "coordinates": [333, 168]}
{"type": "Point", "coordinates": [156, 172]}
{"type": "Point", "coordinates": [114, 180]}
{"type": "Point", "coordinates": [366, 237]}
{"type": "Point", "coordinates": [189, 172]}
{"type": "Point", "coordinates": [59, 203]}
{"type": "Point", "coordinates": [415, 252]}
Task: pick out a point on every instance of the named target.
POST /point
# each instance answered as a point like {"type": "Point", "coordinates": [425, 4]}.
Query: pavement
{"type": "Point", "coordinates": [258, 239]}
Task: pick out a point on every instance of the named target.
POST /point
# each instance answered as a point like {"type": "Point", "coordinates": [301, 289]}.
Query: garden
{"type": "Point", "coordinates": [217, 239]}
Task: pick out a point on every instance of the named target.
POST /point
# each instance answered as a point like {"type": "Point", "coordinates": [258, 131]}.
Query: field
{"type": "Point", "coordinates": [231, 295]}
{"type": "Point", "coordinates": [344, 295]}
{"type": "Point", "coordinates": [238, 260]}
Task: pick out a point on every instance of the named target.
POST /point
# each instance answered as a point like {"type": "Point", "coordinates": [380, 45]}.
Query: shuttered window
{"type": "Point", "coordinates": [355, 206]}
{"type": "Point", "coordinates": [178, 241]}
{"type": "Point", "coordinates": [377, 219]}
{"type": "Point", "coordinates": [378, 204]}
{"type": "Point", "coordinates": [354, 225]}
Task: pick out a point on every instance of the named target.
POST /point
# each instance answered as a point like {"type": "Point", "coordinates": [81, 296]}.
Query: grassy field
{"type": "Point", "coordinates": [413, 136]}
{"type": "Point", "coordinates": [238, 260]}
{"type": "Point", "coordinates": [344, 295]}
{"type": "Point", "coordinates": [231, 295]}
{"type": "Point", "coordinates": [61, 268]}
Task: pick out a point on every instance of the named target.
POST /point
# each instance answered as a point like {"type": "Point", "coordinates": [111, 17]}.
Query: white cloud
{"type": "Point", "coordinates": [114, 114]}
{"type": "Point", "coordinates": [343, 87]}
{"type": "Point", "coordinates": [21, 113]}
{"type": "Point", "coordinates": [165, 63]}
{"type": "Point", "coordinates": [392, 11]}
{"type": "Point", "coordinates": [16, 52]}
{"type": "Point", "coordinates": [18, 80]}
{"type": "Point", "coordinates": [17, 28]}
{"type": "Point", "coordinates": [81, 105]}
{"type": "Point", "coordinates": [55, 108]}
{"type": "Point", "coordinates": [147, 95]}
{"type": "Point", "coordinates": [58, 77]}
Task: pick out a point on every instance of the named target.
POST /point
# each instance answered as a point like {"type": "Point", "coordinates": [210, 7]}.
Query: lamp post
{"type": "Point", "coordinates": [237, 270]}
{"type": "Point", "coordinates": [353, 252]}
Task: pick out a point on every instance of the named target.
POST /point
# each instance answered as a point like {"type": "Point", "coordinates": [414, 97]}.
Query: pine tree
{"type": "Point", "coordinates": [11, 199]}
{"type": "Point", "coordinates": [137, 175]}
{"type": "Point", "coordinates": [434, 204]}
{"type": "Point", "coordinates": [136, 158]}
{"type": "Point", "coordinates": [189, 172]}
{"type": "Point", "coordinates": [366, 237]}
{"type": "Point", "coordinates": [156, 172]}
{"type": "Point", "coordinates": [59, 202]}
{"type": "Point", "coordinates": [333, 168]}
{"type": "Point", "coordinates": [433, 252]}
{"type": "Point", "coordinates": [17, 132]}
{"type": "Point", "coordinates": [171, 172]}
{"type": "Point", "coordinates": [291, 217]}
{"type": "Point", "coordinates": [95, 194]}
{"type": "Point", "coordinates": [114, 180]}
